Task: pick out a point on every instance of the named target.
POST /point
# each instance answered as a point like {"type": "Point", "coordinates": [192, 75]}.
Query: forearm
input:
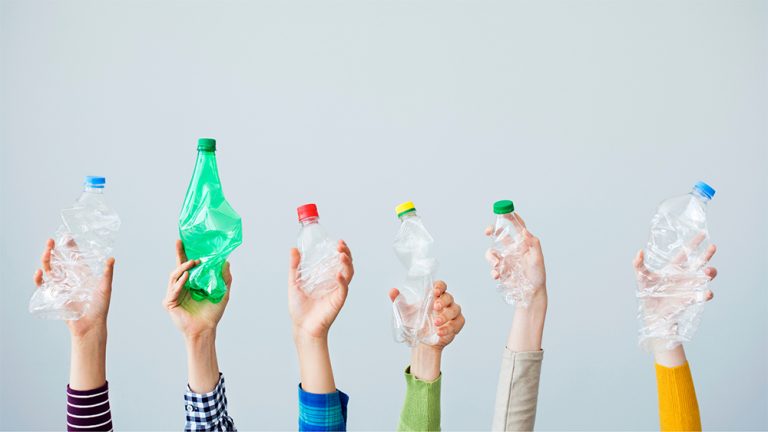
{"type": "Point", "coordinates": [528, 324]}
{"type": "Point", "coordinates": [315, 364]}
{"type": "Point", "coordinates": [88, 360]}
{"type": "Point", "coordinates": [678, 406]}
{"type": "Point", "coordinates": [670, 358]}
{"type": "Point", "coordinates": [202, 363]}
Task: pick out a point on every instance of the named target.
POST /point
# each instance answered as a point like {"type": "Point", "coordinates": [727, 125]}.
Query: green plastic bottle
{"type": "Point", "coordinates": [209, 227]}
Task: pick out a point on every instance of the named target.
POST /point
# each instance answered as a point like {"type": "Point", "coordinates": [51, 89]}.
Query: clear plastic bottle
{"type": "Point", "coordinates": [509, 248]}
{"type": "Point", "coordinates": [319, 254]}
{"type": "Point", "coordinates": [672, 290]}
{"type": "Point", "coordinates": [83, 243]}
{"type": "Point", "coordinates": [412, 309]}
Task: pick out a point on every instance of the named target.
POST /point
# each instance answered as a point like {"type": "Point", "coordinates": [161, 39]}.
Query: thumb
{"type": "Point", "coordinates": [393, 293]}
{"type": "Point", "coordinates": [109, 271]}
{"type": "Point", "coordinates": [293, 266]}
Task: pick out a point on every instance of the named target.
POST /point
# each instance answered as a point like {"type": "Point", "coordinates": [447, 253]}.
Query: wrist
{"type": "Point", "coordinates": [200, 337]}
{"type": "Point", "coordinates": [425, 362]}
{"type": "Point", "coordinates": [528, 324]}
{"type": "Point", "coordinates": [537, 303]}
{"type": "Point", "coordinates": [95, 336]}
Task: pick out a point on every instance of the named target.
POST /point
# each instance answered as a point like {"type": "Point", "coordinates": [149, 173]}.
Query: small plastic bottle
{"type": "Point", "coordinates": [319, 255]}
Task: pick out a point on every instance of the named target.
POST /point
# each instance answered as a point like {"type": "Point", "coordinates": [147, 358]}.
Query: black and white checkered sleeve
{"type": "Point", "coordinates": [208, 411]}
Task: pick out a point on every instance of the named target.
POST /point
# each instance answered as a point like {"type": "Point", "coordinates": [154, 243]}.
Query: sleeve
{"type": "Point", "coordinates": [208, 411]}
{"type": "Point", "coordinates": [421, 409]}
{"type": "Point", "coordinates": [518, 391]}
{"type": "Point", "coordinates": [88, 410]}
{"type": "Point", "coordinates": [322, 412]}
{"type": "Point", "coordinates": [678, 407]}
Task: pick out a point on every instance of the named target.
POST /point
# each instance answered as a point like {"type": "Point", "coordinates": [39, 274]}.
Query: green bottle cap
{"type": "Point", "coordinates": [503, 207]}
{"type": "Point", "coordinates": [206, 144]}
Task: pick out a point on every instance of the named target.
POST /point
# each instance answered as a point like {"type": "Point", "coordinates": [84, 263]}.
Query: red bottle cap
{"type": "Point", "coordinates": [307, 211]}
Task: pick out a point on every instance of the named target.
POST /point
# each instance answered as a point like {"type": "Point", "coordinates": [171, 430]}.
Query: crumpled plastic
{"type": "Point", "coordinates": [319, 264]}
{"type": "Point", "coordinates": [507, 259]}
{"type": "Point", "coordinates": [413, 316]}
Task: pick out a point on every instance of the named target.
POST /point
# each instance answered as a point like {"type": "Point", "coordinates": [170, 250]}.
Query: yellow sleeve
{"type": "Point", "coordinates": [678, 408]}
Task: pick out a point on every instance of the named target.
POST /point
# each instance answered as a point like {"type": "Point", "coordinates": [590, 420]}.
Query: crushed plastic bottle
{"type": "Point", "coordinates": [209, 227]}
{"type": "Point", "coordinates": [319, 256]}
{"type": "Point", "coordinates": [509, 249]}
{"type": "Point", "coordinates": [671, 290]}
{"type": "Point", "coordinates": [83, 243]}
{"type": "Point", "coordinates": [412, 309]}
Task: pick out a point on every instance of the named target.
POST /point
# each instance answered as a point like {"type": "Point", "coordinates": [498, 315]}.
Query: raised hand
{"type": "Point", "coordinates": [313, 316]}
{"type": "Point", "coordinates": [190, 316]}
{"type": "Point", "coordinates": [531, 261]}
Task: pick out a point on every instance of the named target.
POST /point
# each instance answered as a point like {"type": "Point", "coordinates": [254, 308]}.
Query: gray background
{"type": "Point", "coordinates": [587, 114]}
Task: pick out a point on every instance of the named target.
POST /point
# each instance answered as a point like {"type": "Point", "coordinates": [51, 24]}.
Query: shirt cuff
{"type": "Point", "coordinates": [88, 410]}
{"type": "Point", "coordinates": [207, 411]}
{"type": "Point", "coordinates": [322, 412]}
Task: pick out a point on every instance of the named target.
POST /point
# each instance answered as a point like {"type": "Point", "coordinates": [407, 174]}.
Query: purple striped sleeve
{"type": "Point", "coordinates": [88, 410]}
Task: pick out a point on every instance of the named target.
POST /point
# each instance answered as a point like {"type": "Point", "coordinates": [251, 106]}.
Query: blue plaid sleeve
{"type": "Point", "coordinates": [322, 412]}
{"type": "Point", "coordinates": [208, 411]}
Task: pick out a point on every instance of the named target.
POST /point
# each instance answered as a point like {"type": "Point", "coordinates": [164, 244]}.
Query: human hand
{"type": "Point", "coordinates": [312, 316]}
{"type": "Point", "coordinates": [531, 263]}
{"type": "Point", "coordinates": [95, 318]}
{"type": "Point", "coordinates": [193, 318]}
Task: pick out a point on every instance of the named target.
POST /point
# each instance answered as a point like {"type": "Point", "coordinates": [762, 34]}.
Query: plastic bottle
{"type": "Point", "coordinates": [319, 256]}
{"type": "Point", "coordinates": [83, 243]}
{"type": "Point", "coordinates": [209, 227]}
{"type": "Point", "coordinates": [509, 248]}
{"type": "Point", "coordinates": [412, 309]}
{"type": "Point", "coordinates": [672, 291]}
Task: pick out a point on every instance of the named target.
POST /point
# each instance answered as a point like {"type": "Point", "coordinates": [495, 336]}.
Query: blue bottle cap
{"type": "Point", "coordinates": [704, 189]}
{"type": "Point", "coordinates": [95, 181]}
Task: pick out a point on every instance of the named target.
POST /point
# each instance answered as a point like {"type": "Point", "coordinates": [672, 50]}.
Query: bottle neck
{"type": "Point", "coordinates": [93, 190]}
{"type": "Point", "coordinates": [408, 215]}
{"type": "Point", "coordinates": [700, 195]}
{"type": "Point", "coordinates": [309, 221]}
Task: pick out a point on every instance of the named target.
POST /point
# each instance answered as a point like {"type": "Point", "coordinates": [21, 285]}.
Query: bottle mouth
{"type": "Point", "coordinates": [403, 208]}
{"type": "Point", "coordinates": [206, 144]}
{"type": "Point", "coordinates": [95, 182]}
{"type": "Point", "coordinates": [704, 190]}
{"type": "Point", "coordinates": [307, 211]}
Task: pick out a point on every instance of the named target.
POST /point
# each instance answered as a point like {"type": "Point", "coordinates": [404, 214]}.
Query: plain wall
{"type": "Point", "coordinates": [586, 114]}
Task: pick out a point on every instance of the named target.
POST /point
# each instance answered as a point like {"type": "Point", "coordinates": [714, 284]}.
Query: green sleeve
{"type": "Point", "coordinates": [421, 410]}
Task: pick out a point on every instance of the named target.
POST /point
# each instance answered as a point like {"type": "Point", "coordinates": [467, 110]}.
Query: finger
{"type": "Point", "coordinates": [181, 255]}
{"type": "Point", "coordinates": [492, 257]}
{"type": "Point", "coordinates": [711, 272]}
{"type": "Point", "coordinates": [343, 283]}
{"type": "Point", "coordinates": [489, 230]}
{"type": "Point", "coordinates": [343, 248]}
{"type": "Point", "coordinates": [38, 277]}
{"type": "Point", "coordinates": [519, 218]}
{"type": "Point", "coordinates": [448, 314]}
{"type": "Point", "coordinates": [109, 271]}
{"type": "Point", "coordinates": [176, 274]}
{"type": "Point", "coordinates": [294, 259]}
{"type": "Point", "coordinates": [709, 253]}
{"type": "Point", "coordinates": [638, 263]}
{"type": "Point", "coordinates": [172, 296]}
{"type": "Point", "coordinates": [709, 295]}
{"type": "Point", "coordinates": [46, 257]}
{"type": "Point", "coordinates": [439, 288]}
{"type": "Point", "coordinates": [495, 275]}
{"type": "Point", "coordinates": [226, 274]}
{"type": "Point", "coordinates": [442, 302]}
{"type": "Point", "coordinates": [393, 293]}
{"type": "Point", "coordinates": [347, 269]}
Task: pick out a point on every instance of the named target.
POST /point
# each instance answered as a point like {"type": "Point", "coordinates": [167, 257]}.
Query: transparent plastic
{"type": "Point", "coordinates": [412, 309]}
{"type": "Point", "coordinates": [509, 250]}
{"type": "Point", "coordinates": [209, 228]}
{"type": "Point", "coordinates": [84, 241]}
{"type": "Point", "coordinates": [319, 259]}
{"type": "Point", "coordinates": [672, 286]}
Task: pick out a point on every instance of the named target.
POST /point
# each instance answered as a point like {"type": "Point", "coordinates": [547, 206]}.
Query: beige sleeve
{"type": "Point", "coordinates": [518, 391]}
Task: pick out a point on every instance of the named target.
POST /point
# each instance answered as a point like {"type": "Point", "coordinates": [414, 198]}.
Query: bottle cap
{"type": "Point", "coordinates": [307, 211]}
{"type": "Point", "coordinates": [704, 189]}
{"type": "Point", "coordinates": [404, 208]}
{"type": "Point", "coordinates": [503, 207]}
{"type": "Point", "coordinates": [95, 182]}
{"type": "Point", "coordinates": [206, 144]}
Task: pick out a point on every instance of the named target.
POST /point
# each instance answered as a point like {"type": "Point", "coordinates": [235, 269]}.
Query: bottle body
{"type": "Point", "coordinates": [671, 292]}
{"type": "Point", "coordinates": [412, 309]}
{"type": "Point", "coordinates": [509, 249]}
{"type": "Point", "coordinates": [319, 258]}
{"type": "Point", "coordinates": [84, 241]}
{"type": "Point", "coordinates": [209, 228]}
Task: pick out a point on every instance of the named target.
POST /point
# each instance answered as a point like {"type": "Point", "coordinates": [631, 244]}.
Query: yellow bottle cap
{"type": "Point", "coordinates": [405, 208]}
